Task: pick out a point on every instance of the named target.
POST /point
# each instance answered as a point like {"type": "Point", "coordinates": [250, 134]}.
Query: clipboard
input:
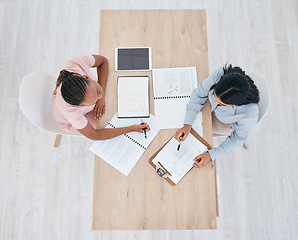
{"type": "Point", "coordinates": [197, 136]}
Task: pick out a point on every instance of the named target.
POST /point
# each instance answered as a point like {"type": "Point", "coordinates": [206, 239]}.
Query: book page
{"type": "Point", "coordinates": [124, 151]}
{"type": "Point", "coordinates": [170, 113]}
{"type": "Point", "coordinates": [172, 91]}
{"type": "Point", "coordinates": [133, 96]}
{"type": "Point", "coordinates": [139, 137]}
{"type": "Point", "coordinates": [178, 163]}
{"type": "Point", "coordinates": [119, 152]}
{"type": "Point", "coordinates": [171, 82]}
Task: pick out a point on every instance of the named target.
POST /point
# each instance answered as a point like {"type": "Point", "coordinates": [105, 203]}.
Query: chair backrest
{"type": "Point", "coordinates": [35, 97]}
{"type": "Point", "coordinates": [261, 83]}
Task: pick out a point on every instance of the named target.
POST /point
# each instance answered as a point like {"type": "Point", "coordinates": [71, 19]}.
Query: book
{"type": "Point", "coordinates": [133, 96]}
{"type": "Point", "coordinates": [124, 151]}
{"type": "Point", "coordinates": [172, 88]}
{"type": "Point", "coordinates": [179, 163]}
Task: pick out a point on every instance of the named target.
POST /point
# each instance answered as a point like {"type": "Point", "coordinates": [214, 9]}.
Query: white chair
{"type": "Point", "coordinates": [261, 83]}
{"type": "Point", "coordinates": [35, 97]}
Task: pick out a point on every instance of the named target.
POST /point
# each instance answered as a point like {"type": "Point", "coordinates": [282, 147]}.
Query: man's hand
{"type": "Point", "coordinates": [99, 108]}
{"type": "Point", "coordinates": [202, 160]}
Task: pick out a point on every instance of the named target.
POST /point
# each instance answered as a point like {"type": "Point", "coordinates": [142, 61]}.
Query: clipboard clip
{"type": "Point", "coordinates": [161, 171]}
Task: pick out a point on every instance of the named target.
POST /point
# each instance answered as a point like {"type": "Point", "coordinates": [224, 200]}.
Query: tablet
{"type": "Point", "coordinates": [133, 59]}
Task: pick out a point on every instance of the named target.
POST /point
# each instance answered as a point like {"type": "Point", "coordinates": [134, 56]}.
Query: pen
{"type": "Point", "coordinates": [182, 135]}
{"type": "Point", "coordinates": [144, 129]}
{"type": "Point", "coordinates": [199, 160]}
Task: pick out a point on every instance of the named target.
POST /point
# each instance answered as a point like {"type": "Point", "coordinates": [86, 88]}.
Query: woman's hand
{"type": "Point", "coordinates": [99, 108]}
{"type": "Point", "coordinates": [202, 160]}
{"type": "Point", "coordinates": [139, 127]}
{"type": "Point", "coordinates": [185, 130]}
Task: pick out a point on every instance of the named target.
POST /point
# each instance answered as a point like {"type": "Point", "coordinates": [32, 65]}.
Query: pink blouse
{"type": "Point", "coordinates": [69, 117]}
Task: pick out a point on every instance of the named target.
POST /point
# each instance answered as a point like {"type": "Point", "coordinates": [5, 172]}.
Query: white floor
{"type": "Point", "coordinates": [46, 192]}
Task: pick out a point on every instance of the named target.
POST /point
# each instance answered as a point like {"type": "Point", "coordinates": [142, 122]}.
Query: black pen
{"type": "Point", "coordinates": [182, 135]}
{"type": "Point", "coordinates": [144, 129]}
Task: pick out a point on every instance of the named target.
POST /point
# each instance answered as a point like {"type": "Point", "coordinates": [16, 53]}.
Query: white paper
{"type": "Point", "coordinates": [133, 96]}
{"type": "Point", "coordinates": [170, 113]}
{"type": "Point", "coordinates": [172, 91]}
{"type": "Point", "coordinates": [124, 151]}
{"type": "Point", "coordinates": [169, 82]}
{"type": "Point", "coordinates": [178, 163]}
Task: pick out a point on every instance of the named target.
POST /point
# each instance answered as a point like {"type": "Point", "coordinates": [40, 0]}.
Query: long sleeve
{"type": "Point", "coordinates": [240, 134]}
{"type": "Point", "coordinates": [200, 95]}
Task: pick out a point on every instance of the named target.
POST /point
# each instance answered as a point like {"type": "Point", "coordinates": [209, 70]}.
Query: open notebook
{"type": "Point", "coordinates": [124, 151]}
{"type": "Point", "coordinates": [133, 97]}
{"type": "Point", "coordinates": [172, 88]}
{"type": "Point", "coordinates": [179, 163]}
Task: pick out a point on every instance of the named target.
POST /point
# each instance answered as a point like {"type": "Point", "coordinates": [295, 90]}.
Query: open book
{"type": "Point", "coordinates": [124, 151]}
{"type": "Point", "coordinates": [133, 97]}
{"type": "Point", "coordinates": [172, 88]}
{"type": "Point", "coordinates": [179, 163]}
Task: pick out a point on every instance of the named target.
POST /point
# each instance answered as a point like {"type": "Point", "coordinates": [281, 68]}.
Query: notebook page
{"type": "Point", "coordinates": [119, 152]}
{"type": "Point", "coordinates": [172, 91]}
{"type": "Point", "coordinates": [133, 96]}
{"type": "Point", "coordinates": [139, 137]}
{"type": "Point", "coordinates": [171, 82]}
{"type": "Point", "coordinates": [170, 113]}
{"type": "Point", "coordinates": [124, 151]}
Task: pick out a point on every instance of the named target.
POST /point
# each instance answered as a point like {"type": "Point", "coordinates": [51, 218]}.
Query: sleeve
{"type": "Point", "coordinates": [200, 95]}
{"type": "Point", "coordinates": [238, 136]}
{"type": "Point", "coordinates": [78, 121]}
{"type": "Point", "coordinates": [81, 62]}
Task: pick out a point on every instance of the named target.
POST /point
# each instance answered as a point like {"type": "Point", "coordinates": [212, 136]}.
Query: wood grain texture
{"type": "Point", "coordinates": [46, 192]}
{"type": "Point", "coordinates": [142, 200]}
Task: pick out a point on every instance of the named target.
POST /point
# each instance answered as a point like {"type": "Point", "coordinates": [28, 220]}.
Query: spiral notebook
{"type": "Point", "coordinates": [124, 151]}
{"type": "Point", "coordinates": [172, 88]}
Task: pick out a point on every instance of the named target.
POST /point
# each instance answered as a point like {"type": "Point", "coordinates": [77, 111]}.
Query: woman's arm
{"type": "Point", "coordinates": [106, 133]}
{"type": "Point", "coordinates": [200, 95]}
{"type": "Point", "coordinates": [102, 65]}
{"type": "Point", "coordinates": [239, 135]}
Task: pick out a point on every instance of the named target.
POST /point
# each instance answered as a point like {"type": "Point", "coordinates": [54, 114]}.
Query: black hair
{"type": "Point", "coordinates": [73, 88]}
{"type": "Point", "coordinates": [236, 88]}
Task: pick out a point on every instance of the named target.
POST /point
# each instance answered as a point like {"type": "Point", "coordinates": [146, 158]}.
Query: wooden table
{"type": "Point", "coordinates": [143, 200]}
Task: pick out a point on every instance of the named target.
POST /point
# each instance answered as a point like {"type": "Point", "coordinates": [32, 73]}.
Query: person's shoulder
{"type": "Point", "coordinates": [218, 72]}
{"type": "Point", "coordinates": [214, 77]}
{"type": "Point", "coordinates": [251, 110]}
{"type": "Point", "coordinates": [81, 59]}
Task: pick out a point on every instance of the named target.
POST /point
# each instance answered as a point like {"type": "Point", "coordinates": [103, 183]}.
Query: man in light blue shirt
{"type": "Point", "coordinates": [233, 97]}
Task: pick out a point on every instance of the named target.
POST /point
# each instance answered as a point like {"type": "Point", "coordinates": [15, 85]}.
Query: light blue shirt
{"type": "Point", "coordinates": [243, 118]}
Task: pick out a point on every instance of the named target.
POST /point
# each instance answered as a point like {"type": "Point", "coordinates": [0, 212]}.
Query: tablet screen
{"type": "Point", "coordinates": [133, 59]}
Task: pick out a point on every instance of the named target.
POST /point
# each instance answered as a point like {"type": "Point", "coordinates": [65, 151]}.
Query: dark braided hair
{"type": "Point", "coordinates": [236, 88]}
{"type": "Point", "coordinates": [73, 88]}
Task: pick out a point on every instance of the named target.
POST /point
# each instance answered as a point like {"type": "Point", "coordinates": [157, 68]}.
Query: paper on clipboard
{"type": "Point", "coordinates": [178, 163]}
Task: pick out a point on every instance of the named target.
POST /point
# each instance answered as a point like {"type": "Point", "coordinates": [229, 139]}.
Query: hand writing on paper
{"type": "Point", "coordinates": [185, 130]}
{"type": "Point", "coordinates": [140, 127]}
{"type": "Point", "coordinates": [202, 160]}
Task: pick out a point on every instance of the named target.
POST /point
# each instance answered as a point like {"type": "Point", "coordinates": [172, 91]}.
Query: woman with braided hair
{"type": "Point", "coordinates": [78, 100]}
{"type": "Point", "coordinates": [233, 97]}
